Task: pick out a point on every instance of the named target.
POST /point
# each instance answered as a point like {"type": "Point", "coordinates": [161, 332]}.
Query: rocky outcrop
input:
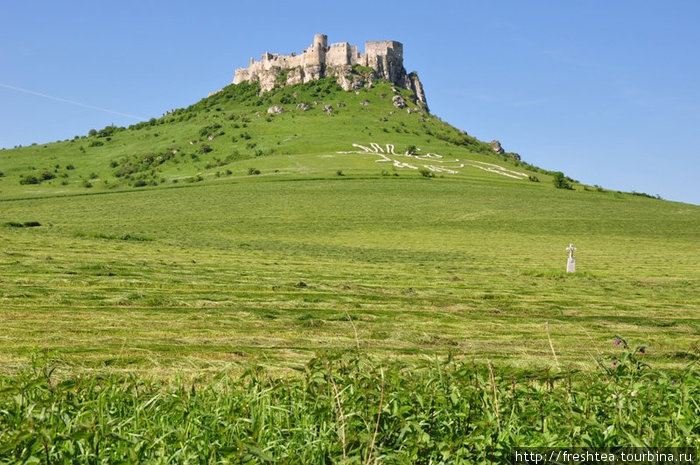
{"type": "Point", "coordinates": [275, 110]}
{"type": "Point", "coordinates": [398, 101]}
{"type": "Point", "coordinates": [496, 146]}
{"type": "Point", "coordinates": [349, 81]}
{"type": "Point", "coordinates": [416, 86]}
{"type": "Point", "coordinates": [354, 70]}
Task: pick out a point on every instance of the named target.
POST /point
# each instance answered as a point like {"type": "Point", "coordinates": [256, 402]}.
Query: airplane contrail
{"type": "Point", "coordinates": [59, 99]}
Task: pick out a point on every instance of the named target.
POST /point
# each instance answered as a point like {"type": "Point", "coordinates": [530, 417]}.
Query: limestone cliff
{"type": "Point", "coordinates": [381, 60]}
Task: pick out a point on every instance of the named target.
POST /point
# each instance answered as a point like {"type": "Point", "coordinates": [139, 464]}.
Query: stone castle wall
{"type": "Point", "coordinates": [319, 60]}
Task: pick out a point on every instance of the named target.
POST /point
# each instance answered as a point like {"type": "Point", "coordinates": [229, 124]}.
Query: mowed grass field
{"type": "Point", "coordinates": [344, 282]}
{"type": "Point", "coordinates": [194, 279]}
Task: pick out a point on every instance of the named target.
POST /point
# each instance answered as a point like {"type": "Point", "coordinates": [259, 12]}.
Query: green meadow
{"type": "Point", "coordinates": [198, 278]}
{"type": "Point", "coordinates": [192, 262]}
{"type": "Point", "coordinates": [220, 238]}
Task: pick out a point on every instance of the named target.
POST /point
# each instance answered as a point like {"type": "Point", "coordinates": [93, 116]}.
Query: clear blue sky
{"type": "Point", "coordinates": [606, 91]}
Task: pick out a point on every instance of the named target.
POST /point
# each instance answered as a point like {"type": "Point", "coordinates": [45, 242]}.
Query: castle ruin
{"type": "Point", "coordinates": [384, 58]}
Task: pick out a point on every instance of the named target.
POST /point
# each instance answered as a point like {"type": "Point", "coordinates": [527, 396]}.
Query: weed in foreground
{"type": "Point", "coordinates": [346, 408]}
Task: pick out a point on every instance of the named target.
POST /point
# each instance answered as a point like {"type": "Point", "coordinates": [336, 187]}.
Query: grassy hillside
{"type": "Point", "coordinates": [224, 135]}
{"type": "Point", "coordinates": [389, 288]}
{"type": "Point", "coordinates": [220, 234]}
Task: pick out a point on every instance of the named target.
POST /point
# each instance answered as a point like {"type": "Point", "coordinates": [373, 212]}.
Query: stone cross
{"type": "Point", "coordinates": [571, 262]}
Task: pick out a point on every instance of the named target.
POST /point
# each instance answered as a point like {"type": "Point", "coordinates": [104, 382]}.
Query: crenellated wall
{"type": "Point", "coordinates": [385, 57]}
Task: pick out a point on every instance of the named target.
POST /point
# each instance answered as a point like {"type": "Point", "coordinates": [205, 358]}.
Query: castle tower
{"type": "Point", "coordinates": [320, 41]}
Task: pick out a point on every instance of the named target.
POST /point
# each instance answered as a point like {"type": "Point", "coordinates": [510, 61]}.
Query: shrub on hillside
{"type": "Point", "coordinates": [210, 130]}
{"type": "Point", "coordinates": [560, 181]}
{"type": "Point", "coordinates": [140, 163]}
{"type": "Point", "coordinates": [29, 179]}
{"type": "Point", "coordinates": [26, 224]}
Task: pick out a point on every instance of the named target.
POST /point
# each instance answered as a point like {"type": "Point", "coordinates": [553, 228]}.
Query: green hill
{"type": "Point", "coordinates": [222, 234]}
{"type": "Point", "coordinates": [226, 134]}
{"type": "Point", "coordinates": [343, 281]}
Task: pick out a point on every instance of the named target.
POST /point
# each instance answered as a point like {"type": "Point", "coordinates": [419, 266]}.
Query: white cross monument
{"type": "Point", "coordinates": [571, 262]}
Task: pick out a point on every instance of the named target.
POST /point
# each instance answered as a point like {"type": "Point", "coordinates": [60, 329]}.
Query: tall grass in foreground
{"type": "Point", "coordinates": [346, 409]}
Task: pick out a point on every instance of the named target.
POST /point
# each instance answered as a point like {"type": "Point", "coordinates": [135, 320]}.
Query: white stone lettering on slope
{"type": "Point", "coordinates": [399, 164]}
{"type": "Point", "coordinates": [361, 147]}
{"type": "Point", "coordinates": [491, 168]}
{"type": "Point", "coordinates": [376, 147]}
{"type": "Point", "coordinates": [386, 153]}
{"type": "Point", "coordinates": [440, 169]}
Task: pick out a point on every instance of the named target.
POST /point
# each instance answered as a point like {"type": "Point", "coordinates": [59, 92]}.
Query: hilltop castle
{"type": "Point", "coordinates": [384, 58]}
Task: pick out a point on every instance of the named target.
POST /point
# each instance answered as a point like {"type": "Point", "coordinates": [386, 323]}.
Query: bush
{"type": "Point", "coordinates": [29, 179]}
{"type": "Point", "coordinates": [210, 130]}
{"type": "Point", "coordinates": [193, 179]}
{"type": "Point", "coordinates": [26, 224]}
{"type": "Point", "coordinates": [253, 171]}
{"type": "Point", "coordinates": [560, 181]}
{"type": "Point", "coordinates": [46, 175]}
{"type": "Point", "coordinates": [427, 173]}
{"type": "Point", "coordinates": [534, 178]}
{"type": "Point", "coordinates": [140, 163]}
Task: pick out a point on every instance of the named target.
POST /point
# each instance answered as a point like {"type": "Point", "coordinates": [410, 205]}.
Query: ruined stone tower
{"type": "Point", "coordinates": [319, 60]}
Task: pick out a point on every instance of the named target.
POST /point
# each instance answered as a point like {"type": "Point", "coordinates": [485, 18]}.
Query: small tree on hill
{"type": "Point", "coordinates": [560, 181]}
